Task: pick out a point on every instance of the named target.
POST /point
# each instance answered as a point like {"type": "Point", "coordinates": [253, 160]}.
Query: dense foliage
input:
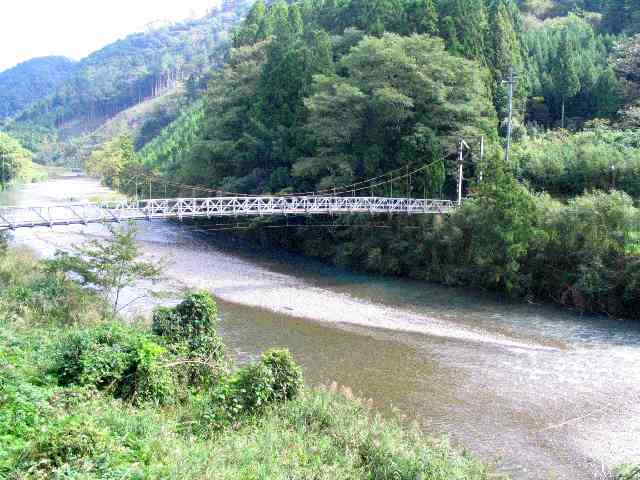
{"type": "Point", "coordinates": [598, 158]}
{"type": "Point", "coordinates": [31, 81]}
{"type": "Point", "coordinates": [319, 95]}
{"type": "Point", "coordinates": [302, 110]}
{"type": "Point", "coordinates": [128, 72]}
{"type": "Point", "coordinates": [15, 162]}
{"type": "Point", "coordinates": [81, 398]}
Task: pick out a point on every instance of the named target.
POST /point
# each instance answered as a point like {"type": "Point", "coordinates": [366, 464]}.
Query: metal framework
{"type": "Point", "coordinates": [180, 208]}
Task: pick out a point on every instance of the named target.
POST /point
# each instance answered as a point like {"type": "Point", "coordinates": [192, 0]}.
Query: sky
{"type": "Point", "coordinates": [75, 28]}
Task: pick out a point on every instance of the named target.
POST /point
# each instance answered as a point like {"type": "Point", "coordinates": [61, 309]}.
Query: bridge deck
{"type": "Point", "coordinates": [180, 208]}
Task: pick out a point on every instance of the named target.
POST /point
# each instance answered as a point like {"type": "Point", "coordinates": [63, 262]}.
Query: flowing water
{"type": "Point", "coordinates": [542, 392]}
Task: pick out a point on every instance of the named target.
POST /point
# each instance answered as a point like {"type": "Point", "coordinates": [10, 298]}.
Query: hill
{"type": "Point", "coordinates": [128, 72]}
{"type": "Point", "coordinates": [31, 81]}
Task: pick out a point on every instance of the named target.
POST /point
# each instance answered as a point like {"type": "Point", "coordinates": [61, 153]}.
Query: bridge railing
{"type": "Point", "coordinates": [104, 212]}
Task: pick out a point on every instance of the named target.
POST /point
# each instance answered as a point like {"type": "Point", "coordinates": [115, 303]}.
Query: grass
{"type": "Point", "coordinates": [82, 432]}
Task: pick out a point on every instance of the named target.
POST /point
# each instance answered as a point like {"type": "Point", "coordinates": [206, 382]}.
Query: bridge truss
{"type": "Point", "coordinates": [12, 218]}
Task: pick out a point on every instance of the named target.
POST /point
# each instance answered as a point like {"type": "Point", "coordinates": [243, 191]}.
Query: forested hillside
{"type": "Point", "coordinates": [139, 67]}
{"type": "Point", "coordinates": [31, 81]}
{"type": "Point", "coordinates": [269, 123]}
{"type": "Point", "coordinates": [320, 95]}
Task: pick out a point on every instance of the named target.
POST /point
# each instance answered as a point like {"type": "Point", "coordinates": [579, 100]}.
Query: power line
{"type": "Point", "coordinates": [343, 189]}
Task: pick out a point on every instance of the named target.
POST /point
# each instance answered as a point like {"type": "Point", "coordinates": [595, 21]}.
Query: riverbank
{"type": "Point", "coordinates": [507, 405]}
{"type": "Point", "coordinates": [51, 427]}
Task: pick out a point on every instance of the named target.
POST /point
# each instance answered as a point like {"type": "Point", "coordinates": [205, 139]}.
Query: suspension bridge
{"type": "Point", "coordinates": [12, 218]}
{"type": "Point", "coordinates": [211, 203]}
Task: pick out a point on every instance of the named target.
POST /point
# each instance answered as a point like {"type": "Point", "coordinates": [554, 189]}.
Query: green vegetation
{"type": "Point", "coordinates": [628, 472]}
{"type": "Point", "coordinates": [318, 95]}
{"type": "Point", "coordinates": [30, 82]}
{"type": "Point", "coordinates": [108, 265]}
{"type": "Point", "coordinates": [15, 163]}
{"type": "Point", "coordinates": [582, 254]}
{"type": "Point", "coordinates": [566, 164]}
{"type": "Point", "coordinates": [125, 73]}
{"type": "Point", "coordinates": [84, 395]}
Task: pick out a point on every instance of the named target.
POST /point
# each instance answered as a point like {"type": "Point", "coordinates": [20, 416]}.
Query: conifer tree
{"type": "Point", "coordinates": [565, 72]}
{"type": "Point", "coordinates": [615, 16]}
{"type": "Point", "coordinates": [422, 17]}
{"type": "Point", "coordinates": [506, 53]}
{"type": "Point", "coordinates": [470, 18]}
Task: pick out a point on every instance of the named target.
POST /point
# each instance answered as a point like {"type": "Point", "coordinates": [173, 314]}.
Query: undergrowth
{"type": "Point", "coordinates": [83, 396]}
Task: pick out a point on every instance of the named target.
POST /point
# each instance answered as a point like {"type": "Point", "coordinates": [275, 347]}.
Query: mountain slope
{"type": "Point", "coordinates": [128, 72]}
{"type": "Point", "coordinates": [31, 81]}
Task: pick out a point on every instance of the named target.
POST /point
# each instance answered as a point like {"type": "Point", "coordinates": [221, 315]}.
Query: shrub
{"type": "Point", "coordinates": [287, 374]}
{"type": "Point", "coordinates": [195, 317]}
{"type": "Point", "coordinates": [115, 358]}
{"type": "Point", "coordinates": [254, 386]}
{"type": "Point", "coordinates": [190, 334]}
{"type": "Point", "coordinates": [274, 379]}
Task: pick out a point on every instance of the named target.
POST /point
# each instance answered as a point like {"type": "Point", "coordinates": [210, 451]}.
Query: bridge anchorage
{"type": "Point", "coordinates": [12, 218]}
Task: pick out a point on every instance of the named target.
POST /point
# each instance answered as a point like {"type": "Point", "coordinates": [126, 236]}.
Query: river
{"type": "Point", "coordinates": [543, 393]}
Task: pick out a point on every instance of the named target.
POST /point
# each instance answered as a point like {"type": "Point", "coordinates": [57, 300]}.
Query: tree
{"type": "Point", "coordinates": [109, 161]}
{"type": "Point", "coordinates": [422, 17]}
{"type": "Point", "coordinates": [14, 159]}
{"type": "Point", "coordinates": [109, 265]}
{"type": "Point", "coordinates": [502, 225]}
{"type": "Point", "coordinates": [506, 53]}
{"type": "Point", "coordinates": [397, 99]}
{"type": "Point", "coordinates": [470, 19]}
{"type": "Point", "coordinates": [565, 71]}
{"type": "Point", "coordinates": [626, 63]}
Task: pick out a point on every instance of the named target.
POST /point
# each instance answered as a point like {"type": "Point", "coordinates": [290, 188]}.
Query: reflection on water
{"type": "Point", "coordinates": [545, 393]}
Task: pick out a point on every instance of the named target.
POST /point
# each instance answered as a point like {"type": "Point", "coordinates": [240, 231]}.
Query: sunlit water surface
{"type": "Point", "coordinates": [541, 392]}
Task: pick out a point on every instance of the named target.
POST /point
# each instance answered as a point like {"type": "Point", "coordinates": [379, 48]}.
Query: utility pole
{"type": "Point", "coordinates": [511, 81]}
{"type": "Point", "coordinates": [460, 171]}
{"type": "Point", "coordinates": [408, 182]}
{"type": "Point", "coordinates": [481, 173]}
{"type": "Point", "coordinates": [2, 176]}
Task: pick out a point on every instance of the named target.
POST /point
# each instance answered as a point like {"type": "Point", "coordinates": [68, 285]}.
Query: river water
{"type": "Point", "coordinates": [541, 392]}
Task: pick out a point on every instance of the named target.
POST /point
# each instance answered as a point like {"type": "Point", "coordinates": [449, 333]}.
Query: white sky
{"type": "Point", "coordinates": [75, 28]}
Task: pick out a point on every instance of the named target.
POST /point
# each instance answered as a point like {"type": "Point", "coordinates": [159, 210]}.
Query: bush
{"type": "Point", "coordinates": [195, 317]}
{"type": "Point", "coordinates": [274, 379]}
{"type": "Point", "coordinates": [118, 359]}
{"type": "Point", "coordinates": [254, 386]}
{"type": "Point", "coordinates": [287, 374]}
{"type": "Point", "coordinates": [189, 332]}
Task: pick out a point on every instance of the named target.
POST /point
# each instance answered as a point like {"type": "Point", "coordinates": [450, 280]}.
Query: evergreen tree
{"type": "Point", "coordinates": [615, 16]}
{"type": "Point", "coordinates": [449, 33]}
{"type": "Point", "coordinates": [506, 54]}
{"type": "Point", "coordinates": [422, 17]}
{"type": "Point", "coordinates": [251, 30]}
{"type": "Point", "coordinates": [564, 71]}
{"type": "Point", "coordinates": [470, 18]}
